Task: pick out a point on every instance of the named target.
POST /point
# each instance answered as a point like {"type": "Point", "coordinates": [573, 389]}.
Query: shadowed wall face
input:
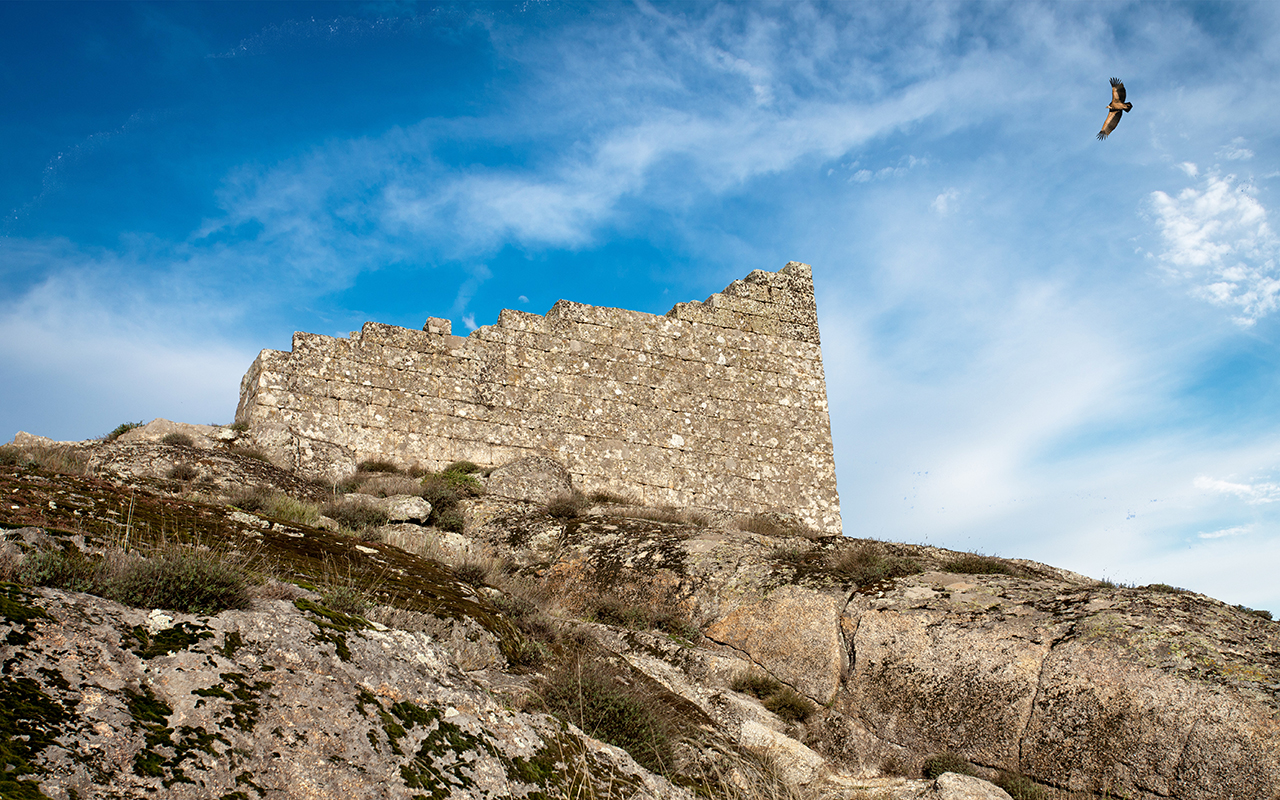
{"type": "Point", "coordinates": [719, 405]}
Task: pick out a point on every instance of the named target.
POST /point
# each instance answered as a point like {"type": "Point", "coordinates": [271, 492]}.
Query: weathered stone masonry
{"type": "Point", "coordinates": [718, 405]}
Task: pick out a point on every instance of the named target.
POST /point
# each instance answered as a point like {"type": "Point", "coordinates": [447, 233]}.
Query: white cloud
{"type": "Point", "coordinates": [1235, 151]}
{"type": "Point", "coordinates": [1218, 240]}
{"type": "Point", "coordinates": [1238, 530]}
{"type": "Point", "coordinates": [1252, 493]}
{"type": "Point", "coordinates": [89, 355]}
{"type": "Point", "coordinates": [1191, 169]}
{"type": "Point", "coordinates": [943, 202]}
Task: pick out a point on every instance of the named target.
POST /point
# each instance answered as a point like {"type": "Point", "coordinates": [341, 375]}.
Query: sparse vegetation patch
{"type": "Point", "coordinates": [120, 430]}
{"type": "Point", "coordinates": [979, 564]}
{"type": "Point", "coordinates": [868, 563]}
{"type": "Point", "coordinates": [945, 762]}
{"type": "Point", "coordinates": [178, 439]}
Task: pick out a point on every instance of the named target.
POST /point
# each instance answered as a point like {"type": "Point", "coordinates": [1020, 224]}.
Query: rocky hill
{"type": "Point", "coordinates": [184, 619]}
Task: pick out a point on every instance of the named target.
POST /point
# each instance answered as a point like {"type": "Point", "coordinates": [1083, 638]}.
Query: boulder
{"type": "Point", "coordinates": [407, 508]}
{"type": "Point", "coordinates": [155, 430]}
{"type": "Point", "coordinates": [954, 786]}
{"type": "Point", "coordinates": [536, 479]}
{"type": "Point", "coordinates": [794, 634]}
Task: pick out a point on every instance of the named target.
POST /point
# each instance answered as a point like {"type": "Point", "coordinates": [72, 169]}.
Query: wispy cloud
{"type": "Point", "coordinates": [1252, 493]}
{"type": "Point", "coordinates": [1238, 530]}
{"type": "Point", "coordinates": [1218, 240]}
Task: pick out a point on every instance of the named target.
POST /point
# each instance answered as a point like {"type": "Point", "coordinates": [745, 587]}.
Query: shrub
{"type": "Point", "coordinates": [1165, 588]}
{"type": "Point", "coordinates": [386, 485]}
{"type": "Point", "coordinates": [1019, 786]}
{"type": "Point", "coordinates": [55, 458]}
{"type": "Point", "coordinates": [606, 497]}
{"type": "Point", "coordinates": [252, 499]}
{"type": "Point", "coordinates": [1256, 612]}
{"type": "Point", "coordinates": [178, 438]}
{"type": "Point", "coordinates": [183, 472]}
{"type": "Point", "coordinates": [945, 762]}
{"type": "Point", "coordinates": [182, 579]}
{"type": "Point", "coordinates": [9, 454]}
{"type": "Point", "coordinates": [121, 429]}
{"type": "Point", "coordinates": [775, 525]}
{"type": "Point", "coordinates": [450, 520]}
{"type": "Point", "coordinates": [373, 465]}
{"type": "Point", "coordinates": [676, 625]}
{"type": "Point", "coordinates": [979, 564]}
{"type": "Point", "coordinates": [239, 427]}
{"type": "Point", "coordinates": [245, 451]}
{"type": "Point", "coordinates": [567, 506]}
{"type": "Point", "coordinates": [607, 710]}
{"type": "Point", "coordinates": [356, 515]}
{"type": "Point", "coordinates": [439, 492]}
{"type": "Point", "coordinates": [346, 599]}
{"type": "Point", "coordinates": [475, 573]}
{"type": "Point", "coordinates": [69, 570]}
{"type": "Point", "coordinates": [789, 705]}
{"type": "Point", "coordinates": [755, 683]}
{"type": "Point", "coordinates": [462, 467]}
{"type": "Point", "coordinates": [10, 560]}
{"type": "Point", "coordinates": [866, 564]}
{"type": "Point", "coordinates": [611, 611]}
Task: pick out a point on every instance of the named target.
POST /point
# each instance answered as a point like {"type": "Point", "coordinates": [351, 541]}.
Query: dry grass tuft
{"type": "Point", "coordinates": [680, 516]}
{"type": "Point", "coordinates": [868, 563]}
{"type": "Point", "coordinates": [776, 525]}
{"type": "Point", "coordinates": [54, 458]}
{"type": "Point", "coordinates": [979, 564]}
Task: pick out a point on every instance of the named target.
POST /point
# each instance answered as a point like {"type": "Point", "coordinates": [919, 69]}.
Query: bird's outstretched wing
{"type": "Point", "coordinates": [1117, 91]}
{"type": "Point", "coordinates": [1113, 119]}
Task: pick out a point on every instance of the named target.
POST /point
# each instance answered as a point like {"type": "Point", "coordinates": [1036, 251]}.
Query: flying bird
{"type": "Point", "coordinates": [1115, 110]}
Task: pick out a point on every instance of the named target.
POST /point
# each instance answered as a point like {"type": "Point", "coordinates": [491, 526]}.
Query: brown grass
{"type": "Point", "coordinates": [54, 458]}
{"type": "Point", "coordinates": [773, 525]}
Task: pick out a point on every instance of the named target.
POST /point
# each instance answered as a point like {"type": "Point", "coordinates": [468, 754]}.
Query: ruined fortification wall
{"type": "Point", "coordinates": [718, 405]}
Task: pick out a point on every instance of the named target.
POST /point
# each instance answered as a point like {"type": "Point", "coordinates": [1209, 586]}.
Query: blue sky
{"type": "Point", "coordinates": [1037, 344]}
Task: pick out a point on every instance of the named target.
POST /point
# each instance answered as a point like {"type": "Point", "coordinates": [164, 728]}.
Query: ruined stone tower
{"type": "Point", "coordinates": [719, 405]}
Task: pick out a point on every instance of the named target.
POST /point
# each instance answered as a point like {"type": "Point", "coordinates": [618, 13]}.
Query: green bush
{"type": "Point", "coordinates": [345, 599]}
{"type": "Point", "coordinates": [183, 472]}
{"type": "Point", "coordinates": [374, 465]}
{"type": "Point", "coordinates": [70, 570]}
{"type": "Point", "coordinates": [462, 467]}
{"type": "Point", "coordinates": [1165, 588]}
{"type": "Point", "coordinates": [450, 519]}
{"type": "Point", "coordinates": [1255, 612]}
{"type": "Point", "coordinates": [182, 579]}
{"type": "Point", "coordinates": [178, 438]}
{"type": "Point", "coordinates": [755, 683]}
{"type": "Point", "coordinates": [789, 705]}
{"type": "Point", "coordinates": [1019, 787]}
{"type": "Point", "coordinates": [979, 564]}
{"type": "Point", "coordinates": [356, 516]}
{"type": "Point", "coordinates": [121, 429]}
{"type": "Point", "coordinates": [676, 625]}
{"type": "Point", "coordinates": [945, 762]}
{"type": "Point", "coordinates": [612, 712]}
{"type": "Point", "coordinates": [867, 564]}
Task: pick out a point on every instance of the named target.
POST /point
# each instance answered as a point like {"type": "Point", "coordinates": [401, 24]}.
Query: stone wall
{"type": "Point", "coordinates": [718, 405]}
